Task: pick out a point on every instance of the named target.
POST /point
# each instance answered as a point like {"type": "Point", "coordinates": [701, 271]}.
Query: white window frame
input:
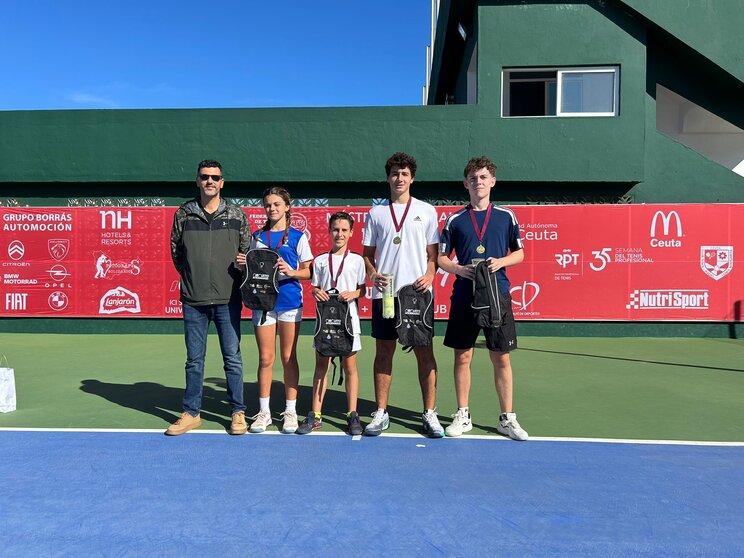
{"type": "Point", "coordinates": [509, 74]}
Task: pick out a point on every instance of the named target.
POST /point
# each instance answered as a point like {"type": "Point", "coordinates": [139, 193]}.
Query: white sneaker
{"type": "Point", "coordinates": [432, 428]}
{"type": "Point", "coordinates": [461, 423]}
{"type": "Point", "coordinates": [290, 422]}
{"type": "Point", "coordinates": [508, 426]}
{"type": "Point", "coordinates": [261, 421]}
{"type": "Point", "coordinates": [380, 422]}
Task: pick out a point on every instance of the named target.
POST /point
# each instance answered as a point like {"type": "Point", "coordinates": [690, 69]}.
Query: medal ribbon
{"type": "Point", "coordinates": [334, 280]}
{"type": "Point", "coordinates": [480, 233]}
{"type": "Point", "coordinates": [397, 225]}
{"type": "Point", "coordinates": [281, 241]}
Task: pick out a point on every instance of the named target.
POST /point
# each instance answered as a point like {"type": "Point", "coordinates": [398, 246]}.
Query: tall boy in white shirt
{"type": "Point", "coordinates": [401, 237]}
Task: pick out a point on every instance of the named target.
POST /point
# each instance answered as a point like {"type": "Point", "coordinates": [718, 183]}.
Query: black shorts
{"type": "Point", "coordinates": [383, 328]}
{"type": "Point", "coordinates": [462, 330]}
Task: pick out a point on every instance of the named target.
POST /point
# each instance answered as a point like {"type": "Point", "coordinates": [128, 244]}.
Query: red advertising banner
{"type": "Point", "coordinates": [582, 262]}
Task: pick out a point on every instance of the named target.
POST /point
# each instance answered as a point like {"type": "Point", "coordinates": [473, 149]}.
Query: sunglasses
{"type": "Point", "coordinates": [214, 177]}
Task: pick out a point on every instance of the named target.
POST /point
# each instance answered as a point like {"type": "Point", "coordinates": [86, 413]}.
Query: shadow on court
{"type": "Point", "coordinates": [161, 401]}
{"type": "Point", "coordinates": [165, 402]}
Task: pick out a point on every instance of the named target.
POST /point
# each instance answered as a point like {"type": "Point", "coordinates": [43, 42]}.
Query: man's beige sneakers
{"type": "Point", "coordinates": [185, 423]}
{"type": "Point", "coordinates": [238, 425]}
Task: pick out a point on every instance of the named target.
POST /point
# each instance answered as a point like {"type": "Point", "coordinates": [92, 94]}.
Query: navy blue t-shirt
{"type": "Point", "coordinates": [500, 238]}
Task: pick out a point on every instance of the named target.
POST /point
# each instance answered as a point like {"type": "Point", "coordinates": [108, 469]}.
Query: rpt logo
{"type": "Point", "coordinates": [566, 258]}
{"type": "Point", "coordinates": [670, 236]}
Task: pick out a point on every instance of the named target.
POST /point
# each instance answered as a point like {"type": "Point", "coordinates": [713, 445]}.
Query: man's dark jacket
{"type": "Point", "coordinates": [204, 253]}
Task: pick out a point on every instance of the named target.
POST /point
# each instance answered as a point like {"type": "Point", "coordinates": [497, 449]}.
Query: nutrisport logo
{"type": "Point", "coordinates": [668, 299]}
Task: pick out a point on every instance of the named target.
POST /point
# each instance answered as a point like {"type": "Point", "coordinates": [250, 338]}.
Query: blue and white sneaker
{"type": "Point", "coordinates": [261, 421]}
{"type": "Point", "coordinates": [290, 424]}
{"type": "Point", "coordinates": [380, 422]}
{"type": "Point", "coordinates": [432, 428]}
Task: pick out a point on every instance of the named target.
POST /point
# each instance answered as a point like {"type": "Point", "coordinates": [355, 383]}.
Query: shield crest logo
{"type": "Point", "coordinates": [716, 261]}
{"type": "Point", "coordinates": [58, 248]}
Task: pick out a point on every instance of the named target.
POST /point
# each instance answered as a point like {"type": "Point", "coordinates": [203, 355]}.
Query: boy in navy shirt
{"type": "Point", "coordinates": [481, 230]}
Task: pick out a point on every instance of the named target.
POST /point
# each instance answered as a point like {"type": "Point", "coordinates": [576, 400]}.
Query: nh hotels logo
{"type": "Point", "coordinates": [670, 226]}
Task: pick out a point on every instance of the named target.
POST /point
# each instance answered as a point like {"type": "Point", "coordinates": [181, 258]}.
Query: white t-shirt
{"type": "Point", "coordinates": [350, 278]}
{"type": "Point", "coordinates": [407, 261]}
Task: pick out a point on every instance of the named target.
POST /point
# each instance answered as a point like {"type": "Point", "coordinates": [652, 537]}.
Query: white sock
{"type": "Point", "coordinates": [466, 409]}
{"type": "Point", "coordinates": [263, 403]}
{"type": "Point", "coordinates": [291, 405]}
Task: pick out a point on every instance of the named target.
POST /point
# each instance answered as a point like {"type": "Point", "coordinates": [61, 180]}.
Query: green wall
{"type": "Point", "coordinates": [557, 35]}
{"type": "Point", "coordinates": [313, 144]}
{"type": "Point", "coordinates": [715, 28]}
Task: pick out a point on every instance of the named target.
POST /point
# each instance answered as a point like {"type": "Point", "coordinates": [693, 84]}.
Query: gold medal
{"type": "Point", "coordinates": [480, 231]}
{"type": "Point", "coordinates": [398, 226]}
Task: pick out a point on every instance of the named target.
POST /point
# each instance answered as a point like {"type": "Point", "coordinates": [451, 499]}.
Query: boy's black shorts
{"type": "Point", "coordinates": [462, 330]}
{"type": "Point", "coordinates": [383, 328]}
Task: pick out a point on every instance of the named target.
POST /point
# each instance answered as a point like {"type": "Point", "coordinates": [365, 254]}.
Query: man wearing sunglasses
{"type": "Point", "coordinates": [206, 236]}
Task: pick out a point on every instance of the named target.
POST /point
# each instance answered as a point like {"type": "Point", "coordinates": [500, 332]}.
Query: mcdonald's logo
{"type": "Point", "coordinates": [666, 229]}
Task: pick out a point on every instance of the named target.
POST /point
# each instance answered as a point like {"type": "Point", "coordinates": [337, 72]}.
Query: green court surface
{"type": "Point", "coordinates": [629, 388]}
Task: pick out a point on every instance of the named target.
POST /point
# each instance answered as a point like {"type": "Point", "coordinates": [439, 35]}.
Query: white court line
{"type": "Point", "coordinates": [392, 435]}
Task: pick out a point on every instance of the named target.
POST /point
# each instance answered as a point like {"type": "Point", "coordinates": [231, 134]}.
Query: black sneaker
{"type": "Point", "coordinates": [310, 423]}
{"type": "Point", "coordinates": [355, 427]}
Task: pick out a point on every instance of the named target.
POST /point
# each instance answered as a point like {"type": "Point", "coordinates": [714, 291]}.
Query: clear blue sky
{"type": "Point", "coordinates": [75, 54]}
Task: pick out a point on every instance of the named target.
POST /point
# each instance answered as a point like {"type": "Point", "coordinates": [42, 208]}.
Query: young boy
{"type": "Point", "coordinates": [401, 237]}
{"type": "Point", "coordinates": [481, 230]}
{"type": "Point", "coordinates": [344, 271]}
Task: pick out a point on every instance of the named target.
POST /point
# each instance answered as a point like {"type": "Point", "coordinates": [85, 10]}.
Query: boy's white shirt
{"type": "Point", "coordinates": [353, 275]}
{"type": "Point", "coordinates": [408, 260]}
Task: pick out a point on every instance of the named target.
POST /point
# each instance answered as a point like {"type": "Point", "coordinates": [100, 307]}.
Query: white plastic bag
{"type": "Point", "coordinates": [7, 387]}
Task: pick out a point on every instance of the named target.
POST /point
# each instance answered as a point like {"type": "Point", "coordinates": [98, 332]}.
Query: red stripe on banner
{"type": "Point", "coordinates": [582, 262]}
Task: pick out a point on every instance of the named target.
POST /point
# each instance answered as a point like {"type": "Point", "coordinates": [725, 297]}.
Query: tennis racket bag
{"type": "Point", "coordinates": [488, 304]}
{"type": "Point", "coordinates": [334, 336]}
{"type": "Point", "coordinates": [260, 287]}
{"type": "Point", "coordinates": [333, 331]}
{"type": "Point", "coordinates": [414, 313]}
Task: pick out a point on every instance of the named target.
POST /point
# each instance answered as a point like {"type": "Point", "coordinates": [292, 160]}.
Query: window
{"type": "Point", "coordinates": [561, 92]}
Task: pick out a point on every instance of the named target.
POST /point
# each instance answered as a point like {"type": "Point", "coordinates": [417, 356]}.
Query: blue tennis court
{"type": "Point", "coordinates": [129, 493]}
